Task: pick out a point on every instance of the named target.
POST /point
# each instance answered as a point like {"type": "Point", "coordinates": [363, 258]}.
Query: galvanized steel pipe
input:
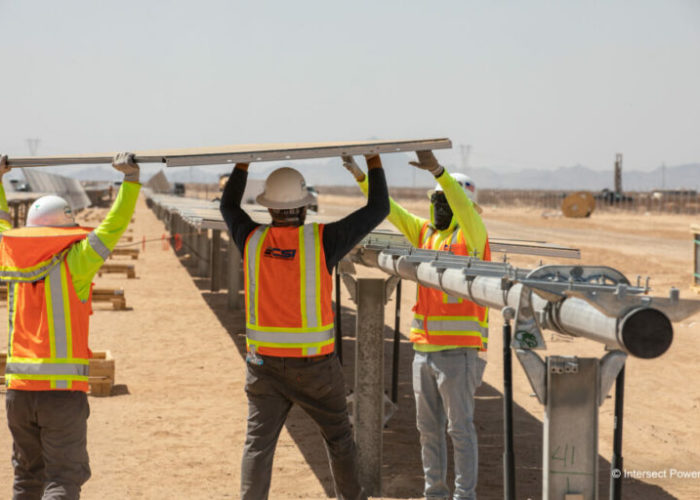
{"type": "Point", "coordinates": [643, 332]}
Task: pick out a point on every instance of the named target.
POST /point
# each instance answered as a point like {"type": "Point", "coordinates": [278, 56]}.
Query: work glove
{"type": "Point", "coordinates": [353, 168]}
{"type": "Point", "coordinates": [427, 161]}
{"type": "Point", "coordinates": [4, 167]}
{"type": "Point", "coordinates": [124, 162]}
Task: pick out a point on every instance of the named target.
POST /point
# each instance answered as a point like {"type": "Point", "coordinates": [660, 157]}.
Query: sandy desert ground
{"type": "Point", "coordinates": [175, 423]}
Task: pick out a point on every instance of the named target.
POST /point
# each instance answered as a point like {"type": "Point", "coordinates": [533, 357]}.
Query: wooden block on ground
{"type": "Point", "coordinates": [100, 374]}
{"type": "Point", "coordinates": [132, 252]}
{"type": "Point", "coordinates": [128, 269]}
{"type": "Point", "coordinates": [113, 295]}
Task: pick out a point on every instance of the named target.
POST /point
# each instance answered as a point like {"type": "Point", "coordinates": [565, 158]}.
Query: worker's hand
{"type": "Point", "coordinates": [427, 161]}
{"type": "Point", "coordinates": [353, 168]}
{"type": "Point", "coordinates": [373, 161]}
{"type": "Point", "coordinates": [124, 162]}
{"type": "Point", "coordinates": [4, 167]}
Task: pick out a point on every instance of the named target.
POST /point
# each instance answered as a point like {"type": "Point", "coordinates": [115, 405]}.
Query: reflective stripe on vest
{"type": "Point", "coordinates": [312, 337]}
{"type": "Point", "coordinates": [31, 274]}
{"type": "Point", "coordinates": [290, 336]}
{"type": "Point", "coordinates": [97, 245]}
{"type": "Point", "coordinates": [450, 325]}
{"type": "Point", "coordinates": [32, 367]}
{"type": "Point", "coordinates": [61, 368]}
{"type": "Point", "coordinates": [441, 319]}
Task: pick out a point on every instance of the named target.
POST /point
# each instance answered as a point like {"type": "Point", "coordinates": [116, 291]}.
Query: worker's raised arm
{"type": "Point", "coordinates": [462, 207]}
{"type": "Point", "coordinates": [5, 221]}
{"type": "Point", "coordinates": [85, 257]}
{"type": "Point", "coordinates": [410, 225]}
{"type": "Point", "coordinates": [237, 220]}
{"type": "Point", "coordinates": [341, 236]}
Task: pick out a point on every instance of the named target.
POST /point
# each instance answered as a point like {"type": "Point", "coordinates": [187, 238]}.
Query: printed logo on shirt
{"type": "Point", "coordinates": [280, 253]}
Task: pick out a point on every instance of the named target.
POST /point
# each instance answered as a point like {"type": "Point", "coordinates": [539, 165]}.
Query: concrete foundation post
{"type": "Point", "coordinates": [570, 461]}
{"type": "Point", "coordinates": [215, 260]}
{"type": "Point", "coordinates": [368, 399]}
{"type": "Point", "coordinates": [236, 301]}
{"type": "Point", "coordinates": [202, 252]}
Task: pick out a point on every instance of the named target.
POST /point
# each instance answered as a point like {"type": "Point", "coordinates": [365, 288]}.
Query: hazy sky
{"type": "Point", "coordinates": [527, 83]}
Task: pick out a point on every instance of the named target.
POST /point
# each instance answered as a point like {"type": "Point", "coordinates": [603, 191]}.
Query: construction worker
{"type": "Point", "coordinates": [447, 332]}
{"type": "Point", "coordinates": [48, 267]}
{"type": "Point", "coordinates": [289, 319]}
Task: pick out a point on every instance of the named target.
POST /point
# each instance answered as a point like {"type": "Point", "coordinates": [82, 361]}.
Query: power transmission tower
{"type": "Point", "coordinates": [33, 145]}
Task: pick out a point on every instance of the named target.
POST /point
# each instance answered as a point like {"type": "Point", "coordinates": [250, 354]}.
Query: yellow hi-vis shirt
{"type": "Point", "coordinates": [464, 215]}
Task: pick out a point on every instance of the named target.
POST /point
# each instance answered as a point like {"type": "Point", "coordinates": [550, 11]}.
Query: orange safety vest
{"type": "Point", "coordinates": [288, 292]}
{"type": "Point", "coordinates": [48, 323]}
{"type": "Point", "coordinates": [441, 319]}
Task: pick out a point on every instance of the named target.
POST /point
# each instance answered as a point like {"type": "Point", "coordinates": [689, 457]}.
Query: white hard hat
{"type": "Point", "coordinates": [463, 180]}
{"type": "Point", "coordinates": [285, 188]}
{"type": "Point", "coordinates": [50, 210]}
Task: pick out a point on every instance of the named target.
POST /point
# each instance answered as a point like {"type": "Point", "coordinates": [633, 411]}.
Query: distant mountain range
{"type": "Point", "coordinates": [330, 172]}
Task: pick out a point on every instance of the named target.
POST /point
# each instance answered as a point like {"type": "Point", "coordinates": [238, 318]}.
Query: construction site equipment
{"type": "Point", "coordinates": [618, 173]}
{"type": "Point", "coordinates": [113, 295]}
{"type": "Point", "coordinates": [595, 302]}
{"type": "Point", "coordinates": [159, 183]}
{"type": "Point", "coordinates": [100, 375]}
{"type": "Point", "coordinates": [578, 205]}
{"type": "Point", "coordinates": [127, 269]}
{"type": "Point", "coordinates": [242, 153]}
{"type": "Point", "coordinates": [695, 231]}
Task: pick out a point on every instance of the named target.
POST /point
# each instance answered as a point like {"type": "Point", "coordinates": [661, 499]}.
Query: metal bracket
{"type": "Point", "coordinates": [610, 366]}
{"type": "Point", "coordinates": [527, 331]}
{"type": "Point", "coordinates": [351, 285]}
{"type": "Point", "coordinates": [346, 266]}
{"type": "Point", "coordinates": [535, 369]}
{"type": "Point", "coordinates": [389, 408]}
{"type": "Point", "coordinates": [389, 287]}
{"type": "Point", "coordinates": [563, 364]}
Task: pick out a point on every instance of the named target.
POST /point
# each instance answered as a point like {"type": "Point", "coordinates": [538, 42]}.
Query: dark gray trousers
{"type": "Point", "coordinates": [49, 451]}
{"type": "Point", "coordinates": [318, 387]}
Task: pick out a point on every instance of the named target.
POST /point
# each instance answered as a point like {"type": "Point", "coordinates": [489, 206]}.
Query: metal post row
{"type": "Point", "coordinates": [595, 302]}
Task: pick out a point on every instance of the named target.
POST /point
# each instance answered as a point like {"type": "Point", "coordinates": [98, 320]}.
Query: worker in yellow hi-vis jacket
{"type": "Point", "coordinates": [447, 332]}
{"type": "Point", "coordinates": [48, 267]}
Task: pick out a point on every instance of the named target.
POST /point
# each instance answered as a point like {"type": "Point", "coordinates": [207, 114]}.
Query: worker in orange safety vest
{"type": "Point", "coordinates": [48, 267]}
{"type": "Point", "coordinates": [289, 320]}
{"type": "Point", "coordinates": [448, 333]}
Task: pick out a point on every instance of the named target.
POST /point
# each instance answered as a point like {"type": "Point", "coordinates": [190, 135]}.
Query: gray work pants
{"type": "Point", "coordinates": [318, 387]}
{"type": "Point", "coordinates": [444, 383]}
{"type": "Point", "coordinates": [49, 451]}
